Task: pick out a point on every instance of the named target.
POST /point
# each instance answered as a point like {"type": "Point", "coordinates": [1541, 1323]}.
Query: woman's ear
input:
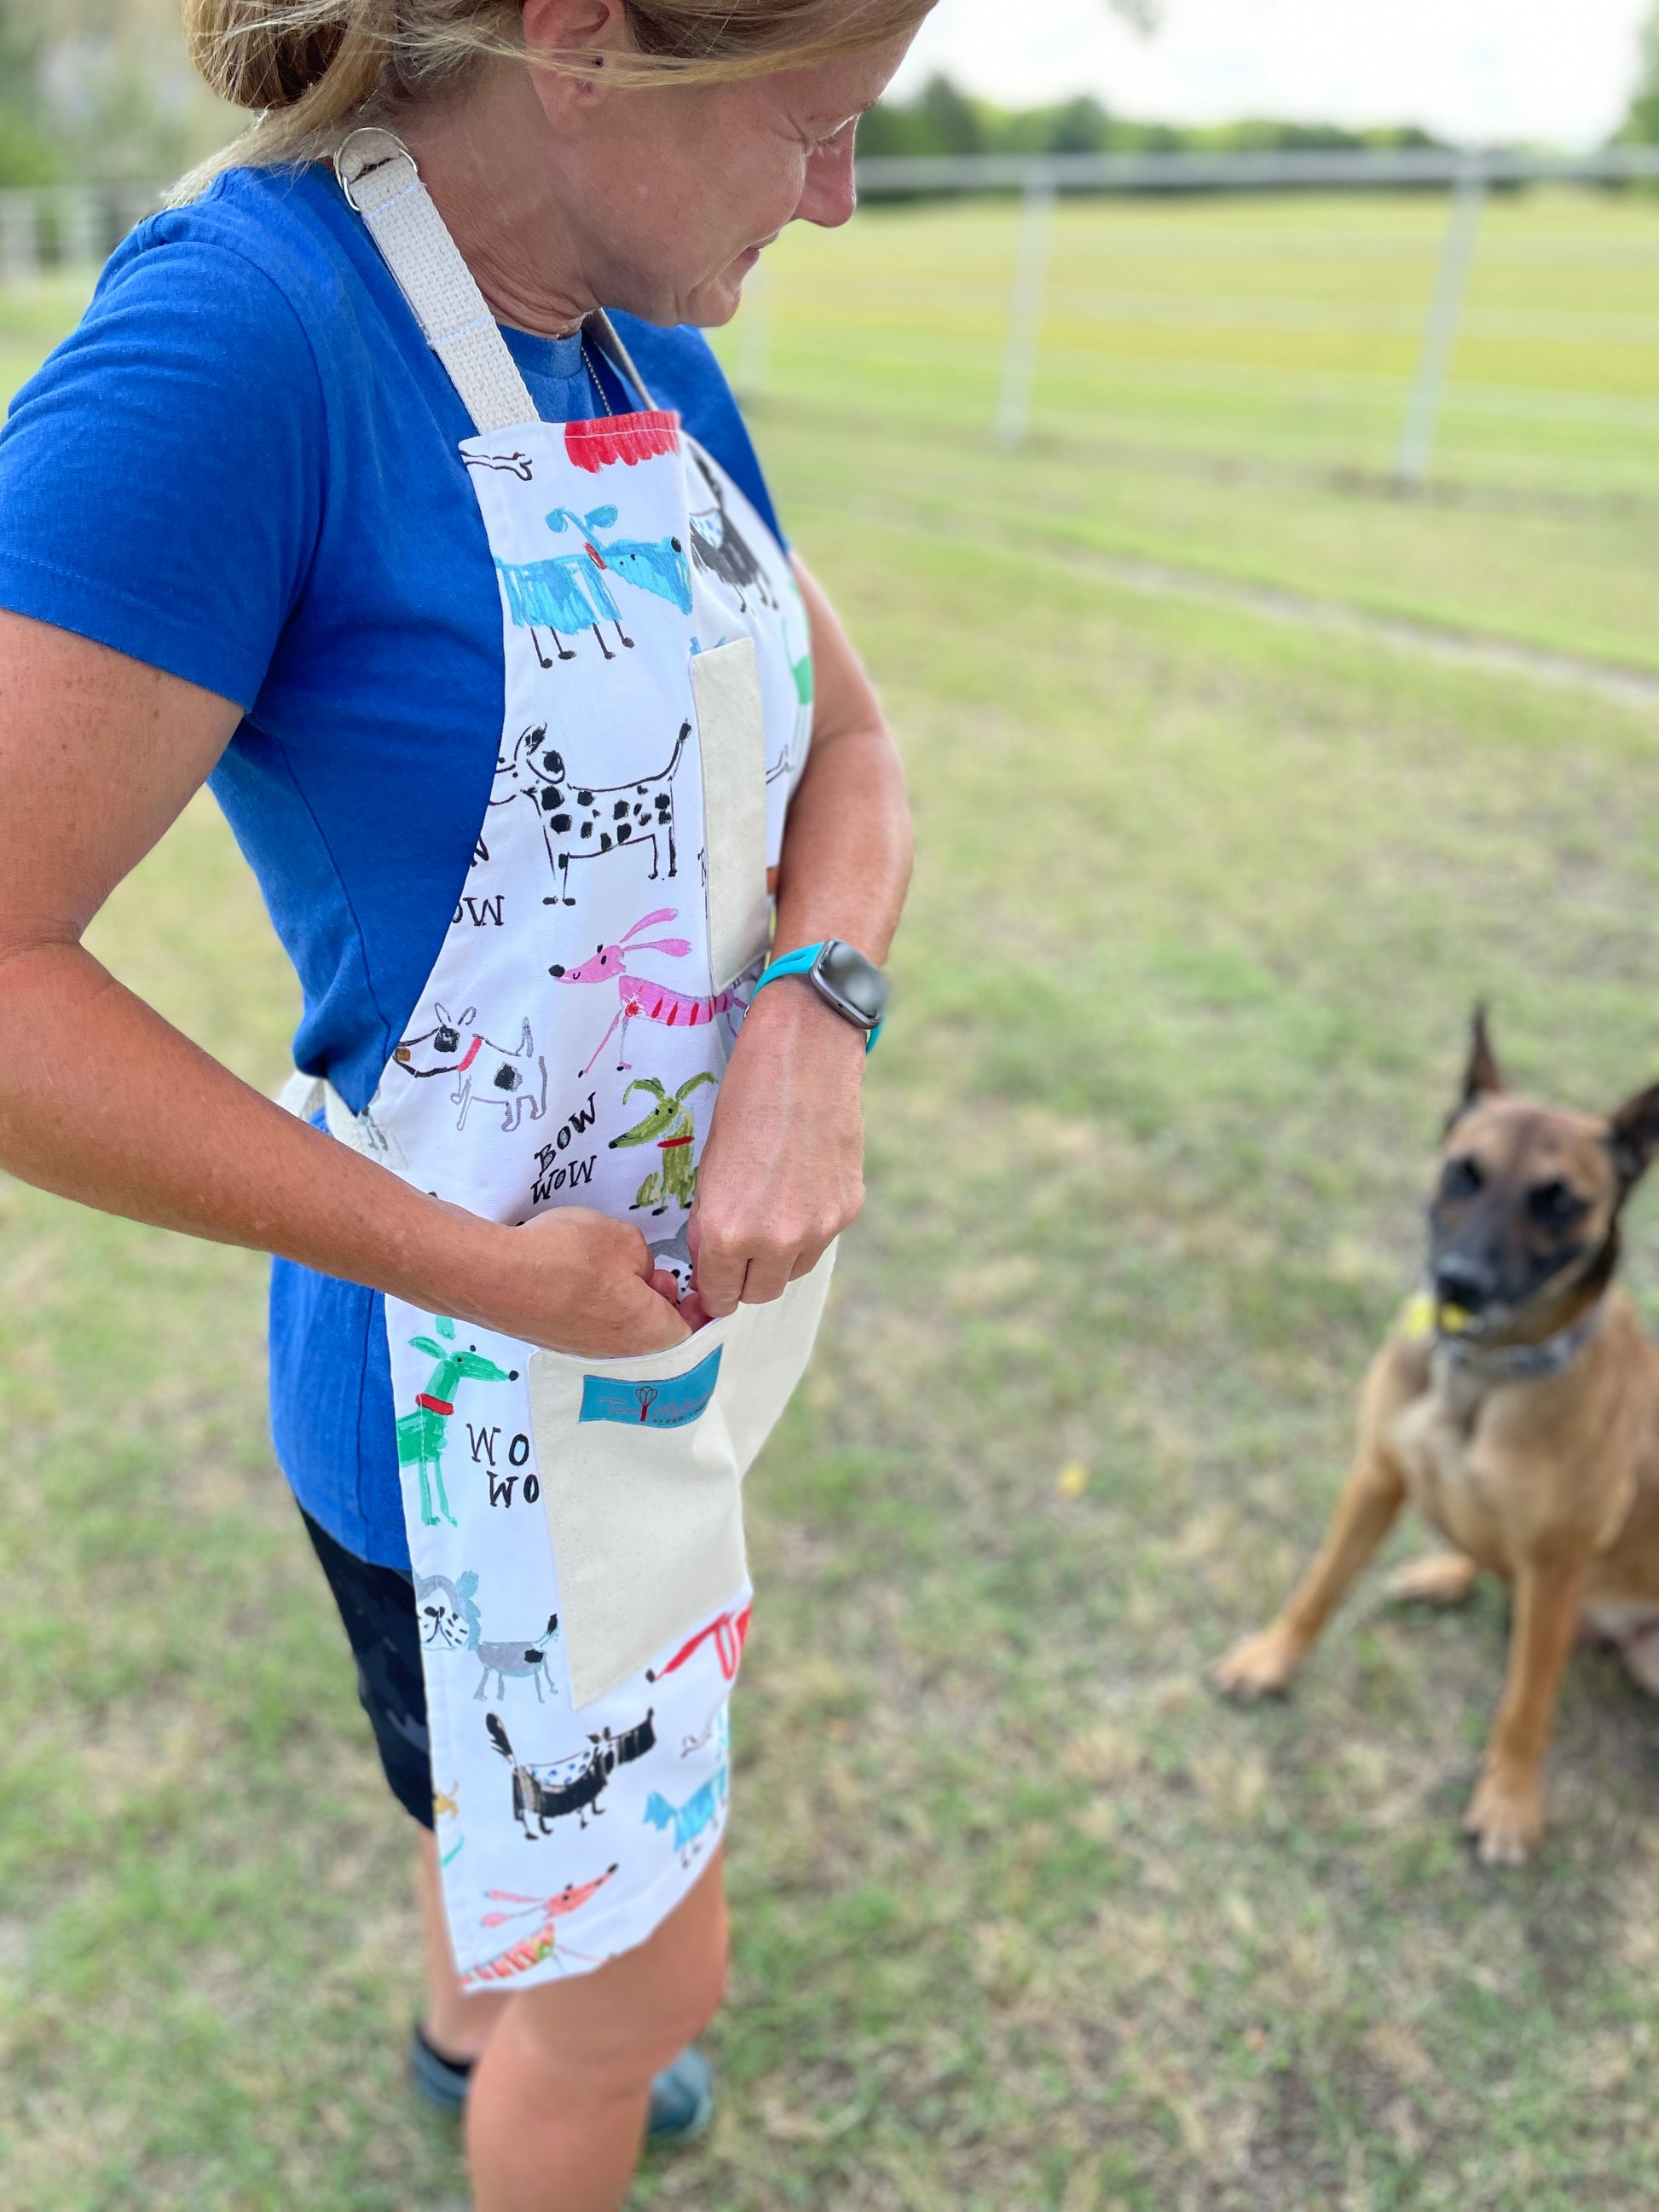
{"type": "Point", "coordinates": [574, 27]}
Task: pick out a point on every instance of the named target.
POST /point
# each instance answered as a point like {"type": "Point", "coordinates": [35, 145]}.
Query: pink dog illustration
{"type": "Point", "coordinates": [642, 1000]}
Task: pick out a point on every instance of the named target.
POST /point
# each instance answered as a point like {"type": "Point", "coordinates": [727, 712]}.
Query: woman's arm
{"type": "Point", "coordinates": [104, 1102]}
{"type": "Point", "coordinates": [781, 1172]}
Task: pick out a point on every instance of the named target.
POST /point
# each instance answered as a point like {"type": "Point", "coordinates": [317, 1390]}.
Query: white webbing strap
{"type": "Point", "coordinates": [377, 176]}
{"type": "Point", "coordinates": [306, 1095]}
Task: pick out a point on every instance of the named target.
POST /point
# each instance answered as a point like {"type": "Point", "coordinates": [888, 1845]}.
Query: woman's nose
{"type": "Point", "coordinates": [831, 196]}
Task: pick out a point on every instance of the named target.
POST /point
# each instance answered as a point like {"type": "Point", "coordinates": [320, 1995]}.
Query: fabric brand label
{"type": "Point", "coordinates": [668, 1403]}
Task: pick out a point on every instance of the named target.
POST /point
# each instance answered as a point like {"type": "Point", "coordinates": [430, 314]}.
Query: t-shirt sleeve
{"type": "Point", "coordinates": [160, 477]}
{"type": "Point", "coordinates": [679, 364]}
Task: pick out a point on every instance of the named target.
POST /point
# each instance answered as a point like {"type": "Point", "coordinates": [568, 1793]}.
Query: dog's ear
{"type": "Point", "coordinates": [1480, 1075]}
{"type": "Point", "coordinates": [1633, 1135]}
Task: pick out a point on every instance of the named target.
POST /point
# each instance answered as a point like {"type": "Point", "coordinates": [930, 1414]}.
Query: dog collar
{"type": "Point", "coordinates": [1505, 1363]}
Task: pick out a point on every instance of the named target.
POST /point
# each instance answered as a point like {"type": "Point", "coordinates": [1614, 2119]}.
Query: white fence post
{"type": "Point", "coordinates": [754, 361]}
{"type": "Point", "coordinates": [1019, 357]}
{"type": "Point", "coordinates": [20, 237]}
{"type": "Point", "coordinates": [1411, 463]}
{"type": "Point", "coordinates": [131, 204]}
{"type": "Point", "coordinates": [80, 230]}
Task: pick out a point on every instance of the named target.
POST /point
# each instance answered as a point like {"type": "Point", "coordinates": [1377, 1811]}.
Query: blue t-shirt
{"type": "Point", "coordinates": [241, 468]}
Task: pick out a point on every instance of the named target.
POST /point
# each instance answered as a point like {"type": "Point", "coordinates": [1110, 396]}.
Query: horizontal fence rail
{"type": "Point", "coordinates": [1466, 174]}
{"type": "Point", "coordinates": [68, 225]}
{"type": "Point", "coordinates": [1367, 169]}
{"type": "Point", "coordinates": [75, 227]}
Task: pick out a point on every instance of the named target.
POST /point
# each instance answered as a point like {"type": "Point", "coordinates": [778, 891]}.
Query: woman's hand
{"type": "Point", "coordinates": [572, 1280]}
{"type": "Point", "coordinates": [782, 1170]}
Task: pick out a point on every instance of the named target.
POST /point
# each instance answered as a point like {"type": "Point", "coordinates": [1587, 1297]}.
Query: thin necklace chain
{"type": "Point", "coordinates": [593, 376]}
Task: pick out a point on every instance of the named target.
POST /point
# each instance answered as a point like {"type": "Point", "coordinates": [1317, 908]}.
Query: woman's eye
{"type": "Point", "coordinates": [1462, 1178]}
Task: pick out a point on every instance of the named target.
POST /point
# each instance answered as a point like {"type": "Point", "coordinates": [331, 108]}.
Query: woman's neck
{"type": "Point", "coordinates": [488, 163]}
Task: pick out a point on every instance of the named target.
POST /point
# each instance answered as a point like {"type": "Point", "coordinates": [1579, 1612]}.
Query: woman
{"type": "Point", "coordinates": [347, 497]}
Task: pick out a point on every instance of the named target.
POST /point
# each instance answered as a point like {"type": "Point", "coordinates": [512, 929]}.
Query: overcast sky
{"type": "Point", "coordinates": [1554, 70]}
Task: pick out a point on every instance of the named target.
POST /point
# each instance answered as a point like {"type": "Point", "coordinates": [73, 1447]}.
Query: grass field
{"type": "Point", "coordinates": [1023, 1918]}
{"type": "Point", "coordinates": [1214, 365]}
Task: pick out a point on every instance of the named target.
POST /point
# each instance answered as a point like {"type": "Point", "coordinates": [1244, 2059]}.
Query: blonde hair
{"type": "Point", "coordinates": [316, 69]}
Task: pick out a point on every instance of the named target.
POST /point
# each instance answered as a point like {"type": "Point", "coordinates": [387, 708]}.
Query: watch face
{"type": "Point", "coordinates": [859, 984]}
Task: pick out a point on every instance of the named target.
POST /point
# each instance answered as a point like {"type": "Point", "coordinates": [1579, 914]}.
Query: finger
{"type": "Point", "coordinates": [663, 1282]}
{"type": "Point", "coordinates": [650, 1321]}
{"type": "Point", "coordinates": [694, 1313]}
{"type": "Point", "coordinates": [808, 1258]}
{"type": "Point", "coordinates": [717, 1275]}
{"type": "Point", "coordinates": [767, 1277]}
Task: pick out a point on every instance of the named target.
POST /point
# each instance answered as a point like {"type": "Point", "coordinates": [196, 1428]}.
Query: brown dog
{"type": "Point", "coordinates": [1517, 1405]}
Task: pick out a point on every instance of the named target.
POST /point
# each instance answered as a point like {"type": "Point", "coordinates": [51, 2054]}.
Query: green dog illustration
{"type": "Point", "coordinates": [669, 1127]}
{"type": "Point", "coordinates": [421, 1434]}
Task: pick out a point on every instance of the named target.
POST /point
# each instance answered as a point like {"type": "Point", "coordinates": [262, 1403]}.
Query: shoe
{"type": "Point", "coordinates": [682, 2095]}
{"type": "Point", "coordinates": [439, 2081]}
{"type": "Point", "coordinates": [682, 2100]}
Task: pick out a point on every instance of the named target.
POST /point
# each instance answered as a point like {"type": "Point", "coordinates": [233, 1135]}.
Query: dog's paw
{"type": "Point", "coordinates": [1259, 1666]}
{"type": "Point", "coordinates": [1443, 1578]}
{"type": "Point", "coordinates": [1506, 1820]}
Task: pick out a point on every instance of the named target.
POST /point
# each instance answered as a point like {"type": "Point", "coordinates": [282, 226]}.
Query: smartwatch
{"type": "Point", "coordinates": [842, 978]}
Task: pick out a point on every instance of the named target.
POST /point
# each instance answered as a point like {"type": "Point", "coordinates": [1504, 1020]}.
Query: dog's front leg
{"type": "Point", "coordinates": [1506, 1813]}
{"type": "Point", "coordinates": [1365, 1512]}
{"type": "Point", "coordinates": [1264, 1663]}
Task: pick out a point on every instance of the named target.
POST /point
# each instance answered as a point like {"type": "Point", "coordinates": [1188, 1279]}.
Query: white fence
{"type": "Point", "coordinates": [68, 225]}
{"type": "Point", "coordinates": [1466, 176]}
{"type": "Point", "coordinates": [78, 226]}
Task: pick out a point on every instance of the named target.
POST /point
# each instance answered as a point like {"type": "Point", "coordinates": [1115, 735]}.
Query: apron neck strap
{"type": "Point", "coordinates": [600, 328]}
{"type": "Point", "coordinates": [378, 178]}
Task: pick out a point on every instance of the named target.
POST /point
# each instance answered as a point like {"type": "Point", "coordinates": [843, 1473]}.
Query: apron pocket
{"type": "Point", "coordinates": [642, 1463]}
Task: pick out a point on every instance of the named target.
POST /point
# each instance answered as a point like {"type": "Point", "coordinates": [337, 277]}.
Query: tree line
{"type": "Point", "coordinates": [100, 90]}
{"type": "Point", "coordinates": [942, 119]}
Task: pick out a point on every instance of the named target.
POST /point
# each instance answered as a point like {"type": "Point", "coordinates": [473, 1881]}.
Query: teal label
{"type": "Point", "coordinates": [668, 1403]}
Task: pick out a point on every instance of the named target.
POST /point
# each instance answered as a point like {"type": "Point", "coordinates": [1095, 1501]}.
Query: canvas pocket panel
{"type": "Point", "coordinates": [641, 1465]}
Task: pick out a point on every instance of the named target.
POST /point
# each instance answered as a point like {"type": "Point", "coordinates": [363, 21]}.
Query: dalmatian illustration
{"type": "Point", "coordinates": [450, 1621]}
{"type": "Point", "coordinates": [583, 822]}
{"type": "Point", "coordinates": [514, 1077]}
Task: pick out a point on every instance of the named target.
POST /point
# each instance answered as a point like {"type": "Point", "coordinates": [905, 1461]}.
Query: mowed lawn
{"type": "Point", "coordinates": [1024, 1919]}
{"type": "Point", "coordinates": [1222, 382]}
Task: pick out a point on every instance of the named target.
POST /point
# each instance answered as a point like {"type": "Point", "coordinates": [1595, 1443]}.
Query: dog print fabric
{"type": "Point", "coordinates": [567, 1049]}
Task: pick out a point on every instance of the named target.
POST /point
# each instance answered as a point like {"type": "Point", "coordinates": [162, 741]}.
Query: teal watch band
{"type": "Point", "coordinates": [798, 962]}
{"type": "Point", "coordinates": [805, 960]}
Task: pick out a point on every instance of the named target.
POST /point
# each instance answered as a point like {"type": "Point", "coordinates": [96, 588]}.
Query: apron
{"type": "Point", "coordinates": [575, 1526]}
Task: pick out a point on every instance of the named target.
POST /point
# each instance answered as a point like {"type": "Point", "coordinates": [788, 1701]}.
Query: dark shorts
{"type": "Point", "coordinates": [377, 1605]}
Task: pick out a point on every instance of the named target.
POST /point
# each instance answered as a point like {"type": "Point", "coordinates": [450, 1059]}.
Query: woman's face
{"type": "Point", "coordinates": [665, 196]}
